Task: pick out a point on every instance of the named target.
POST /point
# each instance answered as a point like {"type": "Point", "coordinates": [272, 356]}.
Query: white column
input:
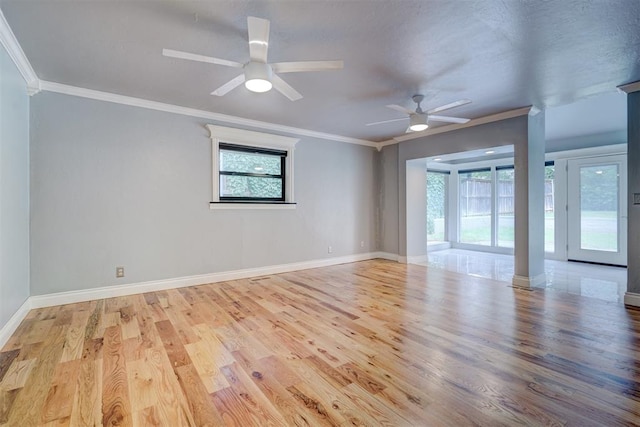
{"type": "Point", "coordinates": [632, 296]}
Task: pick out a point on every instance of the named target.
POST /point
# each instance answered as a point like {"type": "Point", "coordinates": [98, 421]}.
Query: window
{"type": "Point", "coordinates": [476, 189]}
{"type": "Point", "coordinates": [506, 205]}
{"type": "Point", "coordinates": [486, 206]}
{"type": "Point", "coordinates": [549, 207]}
{"type": "Point", "coordinates": [436, 205]}
{"type": "Point", "coordinates": [251, 170]}
{"type": "Point", "coordinates": [251, 174]}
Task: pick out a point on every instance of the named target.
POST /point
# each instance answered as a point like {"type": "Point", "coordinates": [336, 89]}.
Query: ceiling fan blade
{"type": "Point", "coordinates": [385, 121]}
{"type": "Point", "coordinates": [302, 66]}
{"type": "Point", "coordinates": [228, 86]}
{"type": "Point", "coordinates": [449, 106]}
{"type": "Point", "coordinates": [401, 109]}
{"type": "Point", "coordinates": [200, 58]}
{"type": "Point", "coordinates": [258, 38]}
{"type": "Point", "coordinates": [448, 119]}
{"type": "Point", "coordinates": [284, 88]}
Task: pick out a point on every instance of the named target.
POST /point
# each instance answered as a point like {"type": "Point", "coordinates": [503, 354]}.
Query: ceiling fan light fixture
{"type": "Point", "coordinates": [418, 122]}
{"type": "Point", "coordinates": [258, 77]}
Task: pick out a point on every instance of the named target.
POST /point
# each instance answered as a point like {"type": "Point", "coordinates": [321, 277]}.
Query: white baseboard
{"type": "Point", "coordinates": [386, 255]}
{"type": "Point", "coordinates": [433, 247]}
{"type": "Point", "coordinates": [414, 259]}
{"type": "Point", "coordinates": [10, 327]}
{"type": "Point", "coordinates": [417, 259]}
{"type": "Point", "coordinates": [528, 282]}
{"type": "Point", "coordinates": [632, 299]}
{"type": "Point", "coordinates": [59, 298]}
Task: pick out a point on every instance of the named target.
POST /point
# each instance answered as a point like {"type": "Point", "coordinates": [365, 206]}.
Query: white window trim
{"type": "Point", "coordinates": [222, 134]}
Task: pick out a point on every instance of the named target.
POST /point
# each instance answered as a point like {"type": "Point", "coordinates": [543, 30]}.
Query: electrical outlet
{"type": "Point", "coordinates": [119, 271]}
{"type": "Point", "coordinates": [636, 198]}
{"type": "Point", "coordinates": [329, 249]}
{"type": "Point", "coordinates": [362, 243]}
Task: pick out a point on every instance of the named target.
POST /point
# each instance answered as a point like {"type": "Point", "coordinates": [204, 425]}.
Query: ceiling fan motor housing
{"type": "Point", "coordinates": [257, 76]}
{"type": "Point", "coordinates": [418, 122]}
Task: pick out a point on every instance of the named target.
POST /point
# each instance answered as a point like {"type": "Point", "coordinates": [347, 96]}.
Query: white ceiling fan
{"type": "Point", "coordinates": [258, 75]}
{"type": "Point", "coordinates": [418, 119]}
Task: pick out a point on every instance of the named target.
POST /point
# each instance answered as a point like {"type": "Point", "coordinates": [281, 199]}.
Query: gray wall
{"type": "Point", "coordinates": [115, 185]}
{"type": "Point", "coordinates": [388, 199]}
{"type": "Point", "coordinates": [14, 189]}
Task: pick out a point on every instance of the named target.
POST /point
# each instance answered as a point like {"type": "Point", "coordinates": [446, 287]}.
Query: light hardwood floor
{"type": "Point", "coordinates": [369, 343]}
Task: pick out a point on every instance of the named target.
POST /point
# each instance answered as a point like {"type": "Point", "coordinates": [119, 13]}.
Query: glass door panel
{"type": "Point", "coordinates": [599, 195]}
{"type": "Point", "coordinates": [549, 208]}
{"type": "Point", "coordinates": [597, 210]}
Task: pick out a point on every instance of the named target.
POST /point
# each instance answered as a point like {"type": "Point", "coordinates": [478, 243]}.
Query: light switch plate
{"type": "Point", "coordinates": [636, 198]}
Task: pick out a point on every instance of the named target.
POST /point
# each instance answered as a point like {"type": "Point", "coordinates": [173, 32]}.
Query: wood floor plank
{"type": "Point", "coordinates": [141, 386]}
{"type": "Point", "coordinates": [27, 406]}
{"type": "Point", "coordinates": [253, 399]}
{"type": "Point", "coordinates": [74, 340]}
{"type": "Point", "coordinates": [18, 374]}
{"type": "Point", "coordinates": [87, 403]}
{"type": "Point", "coordinates": [59, 401]}
{"type": "Point", "coordinates": [369, 343]}
{"type": "Point", "coordinates": [207, 365]}
{"type": "Point", "coordinates": [7, 397]}
{"type": "Point", "coordinates": [172, 408]}
{"type": "Point", "coordinates": [172, 344]}
{"type": "Point", "coordinates": [116, 401]}
{"type": "Point", "coordinates": [294, 413]}
{"type": "Point", "coordinates": [204, 414]}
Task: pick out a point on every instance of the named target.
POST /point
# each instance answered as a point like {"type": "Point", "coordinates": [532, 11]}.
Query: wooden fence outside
{"type": "Point", "coordinates": [475, 197]}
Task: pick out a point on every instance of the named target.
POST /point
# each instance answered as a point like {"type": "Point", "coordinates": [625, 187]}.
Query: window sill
{"type": "Point", "coordinates": [251, 205]}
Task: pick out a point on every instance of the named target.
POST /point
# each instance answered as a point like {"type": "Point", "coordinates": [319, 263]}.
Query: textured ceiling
{"type": "Point", "coordinates": [500, 54]}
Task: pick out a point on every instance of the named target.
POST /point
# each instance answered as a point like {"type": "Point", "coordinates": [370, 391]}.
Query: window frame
{"type": "Point", "coordinates": [447, 196]}
{"type": "Point", "coordinates": [496, 190]}
{"type": "Point", "coordinates": [281, 154]}
{"type": "Point", "coordinates": [258, 141]}
{"type": "Point", "coordinates": [492, 235]}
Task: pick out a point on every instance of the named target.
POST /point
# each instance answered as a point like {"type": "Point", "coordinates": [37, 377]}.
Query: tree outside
{"type": "Point", "coordinates": [269, 185]}
{"type": "Point", "coordinates": [436, 200]}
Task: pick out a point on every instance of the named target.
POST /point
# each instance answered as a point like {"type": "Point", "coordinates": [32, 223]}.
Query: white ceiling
{"type": "Point", "coordinates": [500, 54]}
{"type": "Point", "coordinates": [601, 114]}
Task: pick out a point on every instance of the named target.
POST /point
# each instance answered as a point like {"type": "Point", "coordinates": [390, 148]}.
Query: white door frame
{"type": "Point", "coordinates": [574, 249]}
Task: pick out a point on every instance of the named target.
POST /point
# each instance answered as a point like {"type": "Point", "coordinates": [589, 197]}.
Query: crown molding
{"type": "Point", "coordinates": [383, 144]}
{"type": "Point", "coordinates": [13, 48]}
{"type": "Point", "coordinates": [630, 87]}
{"type": "Point", "coordinates": [192, 112]}
{"type": "Point", "coordinates": [473, 122]}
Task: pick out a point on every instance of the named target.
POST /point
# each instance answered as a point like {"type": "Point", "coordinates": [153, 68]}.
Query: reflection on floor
{"type": "Point", "coordinates": [595, 281]}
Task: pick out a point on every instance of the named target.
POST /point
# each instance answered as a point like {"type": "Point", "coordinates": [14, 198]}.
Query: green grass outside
{"type": "Point", "coordinates": [595, 239]}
